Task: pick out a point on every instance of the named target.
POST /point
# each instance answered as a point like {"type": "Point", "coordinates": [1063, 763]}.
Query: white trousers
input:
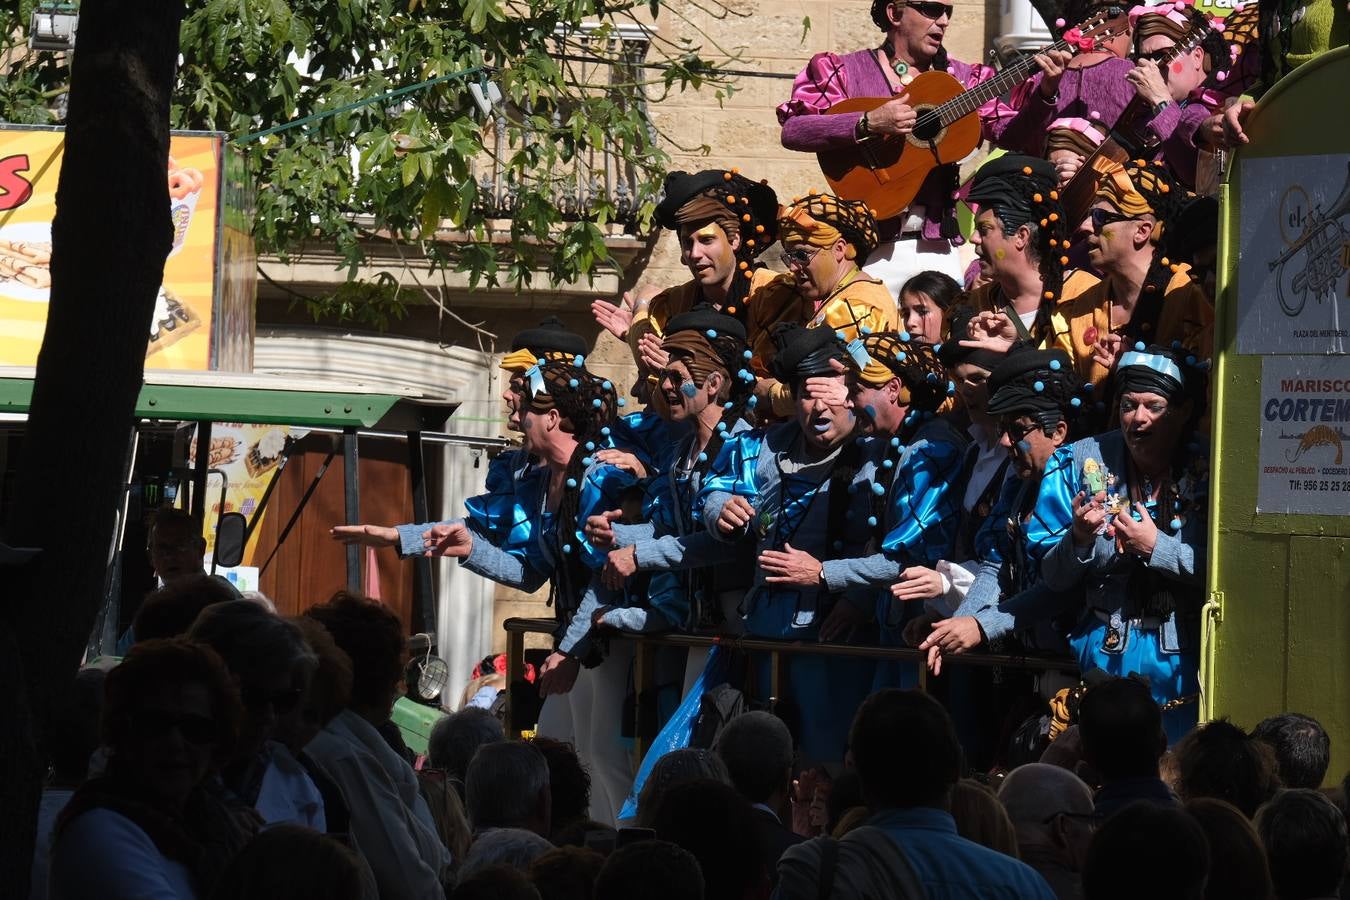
{"type": "Point", "coordinates": [590, 716]}
{"type": "Point", "coordinates": [895, 262]}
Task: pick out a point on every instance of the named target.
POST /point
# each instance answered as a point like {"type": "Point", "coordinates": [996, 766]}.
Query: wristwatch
{"type": "Point", "coordinates": [862, 132]}
{"type": "Point", "coordinates": [1159, 107]}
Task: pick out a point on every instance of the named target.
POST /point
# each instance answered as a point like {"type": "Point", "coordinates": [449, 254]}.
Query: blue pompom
{"type": "Point", "coordinates": [748, 355]}
{"type": "Point", "coordinates": [904, 336]}
{"type": "Point", "coordinates": [951, 388]}
{"type": "Point", "coordinates": [937, 348]}
{"type": "Point", "coordinates": [839, 334]}
{"type": "Point", "coordinates": [540, 361]}
{"type": "Point", "coordinates": [1087, 386]}
{"type": "Point", "coordinates": [728, 405]}
{"type": "Point", "coordinates": [1054, 365]}
{"type": "Point", "coordinates": [573, 383]}
{"type": "Point", "coordinates": [571, 482]}
{"type": "Point", "coordinates": [587, 460]}
{"type": "Point", "coordinates": [567, 548]}
{"type": "Point", "coordinates": [902, 357]}
{"type": "Point", "coordinates": [1038, 386]}
{"type": "Point", "coordinates": [878, 489]}
{"type": "Point", "coordinates": [590, 445]}
{"type": "Point", "coordinates": [1190, 360]}
{"type": "Point", "coordinates": [605, 431]}
{"type": "Point", "coordinates": [703, 457]}
{"type": "Point", "coordinates": [872, 521]}
{"type": "Point", "coordinates": [721, 426]}
{"type": "Point", "coordinates": [607, 385]}
{"type": "Point", "coordinates": [1075, 403]}
{"type": "Point", "coordinates": [895, 442]}
{"type": "Point", "coordinates": [751, 402]}
{"type": "Point", "coordinates": [863, 329]}
{"type": "Point", "coordinates": [1176, 345]}
{"type": "Point", "coordinates": [622, 402]}
{"type": "Point", "coordinates": [711, 333]}
{"type": "Point", "coordinates": [887, 463]}
{"type": "Point", "coordinates": [1139, 345]}
{"type": "Point", "coordinates": [597, 403]}
{"type": "Point", "coordinates": [932, 378]}
{"type": "Point", "coordinates": [578, 361]}
{"type": "Point", "coordinates": [1175, 523]}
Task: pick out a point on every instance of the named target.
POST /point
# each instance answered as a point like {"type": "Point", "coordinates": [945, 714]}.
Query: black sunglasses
{"type": "Point", "coordinates": [1103, 217]}
{"type": "Point", "coordinates": [929, 10]}
{"type": "Point", "coordinates": [199, 730]}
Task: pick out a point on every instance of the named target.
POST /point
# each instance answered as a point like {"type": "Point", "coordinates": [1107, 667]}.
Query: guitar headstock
{"type": "Point", "coordinates": [1106, 23]}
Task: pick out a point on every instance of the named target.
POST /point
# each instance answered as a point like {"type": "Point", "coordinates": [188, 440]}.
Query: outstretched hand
{"type": "Point", "coordinates": [365, 535]}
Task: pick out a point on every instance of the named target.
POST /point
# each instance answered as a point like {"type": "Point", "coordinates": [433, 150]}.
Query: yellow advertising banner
{"type": "Point", "coordinates": [247, 455]}
{"type": "Point", "coordinates": [181, 332]}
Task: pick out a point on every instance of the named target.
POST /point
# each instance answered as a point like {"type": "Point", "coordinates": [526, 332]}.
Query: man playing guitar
{"type": "Point", "coordinates": [926, 235]}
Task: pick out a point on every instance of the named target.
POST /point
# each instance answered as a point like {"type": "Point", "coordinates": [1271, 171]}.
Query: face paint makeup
{"type": "Point", "coordinates": [712, 229]}
{"type": "Point", "coordinates": [870, 411]}
{"type": "Point", "coordinates": [1023, 446]}
{"type": "Point", "coordinates": [1176, 67]}
{"type": "Point", "coordinates": [689, 389]}
{"type": "Point", "coordinates": [1000, 253]}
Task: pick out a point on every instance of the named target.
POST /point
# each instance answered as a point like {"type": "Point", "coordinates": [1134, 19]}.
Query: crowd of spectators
{"type": "Point", "coordinates": [254, 756]}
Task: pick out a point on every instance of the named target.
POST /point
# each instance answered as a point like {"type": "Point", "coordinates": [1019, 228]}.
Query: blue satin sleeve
{"type": "Point", "coordinates": [506, 514]}
{"type": "Point", "coordinates": [602, 489]}
{"type": "Point", "coordinates": [1052, 516]}
{"type": "Point", "coordinates": [923, 513]}
{"type": "Point", "coordinates": [733, 473]}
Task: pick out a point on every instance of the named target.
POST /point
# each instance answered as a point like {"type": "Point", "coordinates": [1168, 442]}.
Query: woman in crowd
{"type": "Point", "coordinates": [924, 301]}
{"type": "Point", "coordinates": [147, 828]}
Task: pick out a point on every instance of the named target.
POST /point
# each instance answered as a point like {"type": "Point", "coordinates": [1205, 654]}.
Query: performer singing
{"type": "Point", "coordinates": [824, 239]}
{"type": "Point", "coordinates": [725, 222]}
{"type": "Point", "coordinates": [1143, 295]}
{"type": "Point", "coordinates": [926, 236]}
{"type": "Point", "coordinates": [1136, 550]}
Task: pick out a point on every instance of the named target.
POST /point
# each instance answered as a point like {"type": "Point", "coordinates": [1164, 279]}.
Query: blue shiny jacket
{"type": "Point", "coordinates": [1009, 592]}
{"type": "Point", "coordinates": [1100, 574]}
{"type": "Point", "coordinates": [785, 512]}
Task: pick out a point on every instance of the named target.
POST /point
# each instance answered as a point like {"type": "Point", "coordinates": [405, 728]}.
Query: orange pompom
{"type": "Point", "coordinates": [735, 171]}
{"type": "Point", "coordinates": [1054, 243]}
{"type": "Point", "coordinates": [1049, 295]}
{"type": "Point", "coordinates": [759, 229]}
{"type": "Point", "coordinates": [796, 200]}
{"type": "Point", "coordinates": [745, 218]}
{"type": "Point", "coordinates": [1026, 170]}
{"type": "Point", "coordinates": [1140, 162]}
{"type": "Point", "coordinates": [744, 265]}
{"type": "Point", "coordinates": [731, 310]}
{"type": "Point", "coordinates": [1165, 261]}
{"type": "Point", "coordinates": [750, 242]}
{"type": "Point", "coordinates": [1054, 217]}
{"type": "Point", "coordinates": [1044, 222]}
{"type": "Point", "coordinates": [1063, 260]}
{"type": "Point", "coordinates": [1037, 198]}
{"type": "Point", "coordinates": [1054, 195]}
{"type": "Point", "coordinates": [1164, 187]}
{"type": "Point", "coordinates": [745, 200]}
{"type": "Point", "coordinates": [726, 176]}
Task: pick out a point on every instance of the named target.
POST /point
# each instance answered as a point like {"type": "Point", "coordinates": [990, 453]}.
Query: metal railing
{"type": "Point", "coordinates": [644, 670]}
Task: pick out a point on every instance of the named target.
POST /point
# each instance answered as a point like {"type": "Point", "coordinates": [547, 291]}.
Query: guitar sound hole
{"type": "Point", "coordinates": [926, 127]}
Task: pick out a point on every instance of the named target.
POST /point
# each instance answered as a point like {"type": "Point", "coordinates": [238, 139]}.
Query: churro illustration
{"type": "Point", "coordinates": [27, 262]}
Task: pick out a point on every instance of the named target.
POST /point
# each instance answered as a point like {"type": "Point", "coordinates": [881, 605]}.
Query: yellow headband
{"type": "Point", "coordinates": [822, 219]}
{"type": "Point", "coordinates": [1138, 190]}
{"type": "Point", "coordinates": [519, 360]}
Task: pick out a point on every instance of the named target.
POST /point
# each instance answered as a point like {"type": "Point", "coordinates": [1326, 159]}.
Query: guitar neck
{"type": "Point", "coordinates": [1129, 128]}
{"type": "Point", "coordinates": [972, 99]}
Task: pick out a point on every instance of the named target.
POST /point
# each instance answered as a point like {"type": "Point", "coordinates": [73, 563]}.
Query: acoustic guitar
{"type": "Point", "coordinates": [1129, 138]}
{"type": "Point", "coordinates": [886, 171]}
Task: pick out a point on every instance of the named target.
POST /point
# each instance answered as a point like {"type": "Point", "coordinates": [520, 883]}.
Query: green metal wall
{"type": "Point", "coordinates": [1278, 637]}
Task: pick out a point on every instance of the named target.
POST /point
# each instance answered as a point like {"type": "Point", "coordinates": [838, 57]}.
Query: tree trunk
{"type": "Point", "coordinates": [110, 238]}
